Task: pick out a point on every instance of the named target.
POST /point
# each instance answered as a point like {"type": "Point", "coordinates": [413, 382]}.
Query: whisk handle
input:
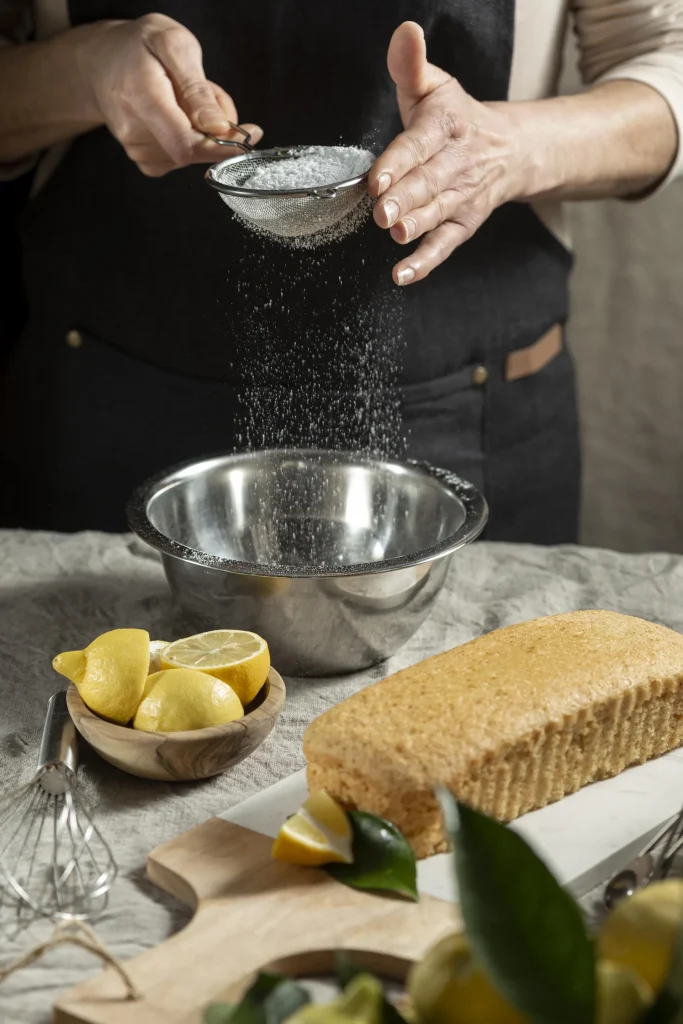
{"type": "Point", "coordinates": [58, 745]}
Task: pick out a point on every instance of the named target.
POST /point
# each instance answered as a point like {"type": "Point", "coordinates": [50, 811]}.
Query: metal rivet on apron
{"type": "Point", "coordinates": [74, 339]}
{"type": "Point", "coordinates": [480, 375]}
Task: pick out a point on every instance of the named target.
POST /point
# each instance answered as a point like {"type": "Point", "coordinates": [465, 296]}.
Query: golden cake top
{"type": "Point", "coordinates": [435, 719]}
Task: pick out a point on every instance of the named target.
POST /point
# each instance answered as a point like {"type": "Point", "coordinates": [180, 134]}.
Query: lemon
{"type": "Point", "coordinates": [319, 833]}
{"type": "Point", "coordinates": [640, 933]}
{"type": "Point", "coordinates": [360, 1003]}
{"type": "Point", "coordinates": [622, 995]}
{"type": "Point", "coordinates": [447, 987]}
{"type": "Point", "coordinates": [238, 658]}
{"type": "Point", "coordinates": [155, 649]}
{"type": "Point", "coordinates": [110, 673]}
{"type": "Point", "coordinates": [182, 699]}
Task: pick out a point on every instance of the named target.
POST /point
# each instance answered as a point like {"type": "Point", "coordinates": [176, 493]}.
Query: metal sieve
{"type": "Point", "coordinates": [289, 213]}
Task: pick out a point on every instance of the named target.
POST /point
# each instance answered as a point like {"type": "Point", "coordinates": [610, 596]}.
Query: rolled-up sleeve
{"type": "Point", "coordinates": [640, 40]}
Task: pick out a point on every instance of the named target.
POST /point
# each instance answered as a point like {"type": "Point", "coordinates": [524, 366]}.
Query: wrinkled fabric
{"type": "Point", "coordinates": [59, 592]}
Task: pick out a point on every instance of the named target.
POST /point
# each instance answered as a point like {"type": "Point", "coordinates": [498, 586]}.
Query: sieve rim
{"type": "Point", "coordinates": [280, 152]}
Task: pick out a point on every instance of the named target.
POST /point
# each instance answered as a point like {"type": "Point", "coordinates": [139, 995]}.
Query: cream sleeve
{"type": "Point", "coordinates": [641, 40]}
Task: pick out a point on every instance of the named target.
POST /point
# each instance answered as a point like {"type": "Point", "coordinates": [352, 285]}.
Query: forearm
{"type": "Point", "coordinates": [44, 95]}
{"type": "Point", "coordinates": [617, 139]}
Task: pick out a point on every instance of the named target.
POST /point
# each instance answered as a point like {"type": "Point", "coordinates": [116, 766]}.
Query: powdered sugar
{"type": "Point", "coordinates": [312, 167]}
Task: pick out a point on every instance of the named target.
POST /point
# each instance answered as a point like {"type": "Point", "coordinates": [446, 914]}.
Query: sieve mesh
{"type": "Point", "coordinates": [290, 213]}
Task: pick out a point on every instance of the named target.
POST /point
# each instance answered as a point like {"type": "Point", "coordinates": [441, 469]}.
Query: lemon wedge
{"type": "Point", "coordinates": [236, 657]}
{"type": "Point", "coordinates": [319, 833]}
{"type": "Point", "coordinates": [110, 673]}
{"type": "Point", "coordinates": [178, 700]}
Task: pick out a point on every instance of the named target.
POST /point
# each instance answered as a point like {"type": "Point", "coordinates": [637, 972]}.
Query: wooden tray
{"type": "Point", "coordinates": [250, 912]}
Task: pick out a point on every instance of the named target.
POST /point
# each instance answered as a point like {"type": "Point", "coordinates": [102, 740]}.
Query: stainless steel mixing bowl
{"type": "Point", "coordinates": [334, 558]}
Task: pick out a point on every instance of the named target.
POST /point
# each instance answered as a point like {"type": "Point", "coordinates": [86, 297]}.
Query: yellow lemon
{"type": "Point", "coordinates": [622, 995]}
{"type": "Point", "coordinates": [640, 933]}
{"type": "Point", "coordinates": [182, 699]}
{"type": "Point", "coordinates": [238, 658]}
{"type": "Point", "coordinates": [155, 649]}
{"type": "Point", "coordinates": [110, 673]}
{"type": "Point", "coordinates": [319, 833]}
{"type": "Point", "coordinates": [448, 987]}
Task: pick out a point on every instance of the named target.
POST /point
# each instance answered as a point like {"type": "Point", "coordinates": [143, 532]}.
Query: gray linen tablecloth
{"type": "Point", "coordinates": [59, 592]}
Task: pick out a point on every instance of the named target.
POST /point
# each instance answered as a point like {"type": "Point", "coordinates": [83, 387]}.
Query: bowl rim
{"type": "Point", "coordinates": [271, 705]}
{"type": "Point", "coordinates": [472, 500]}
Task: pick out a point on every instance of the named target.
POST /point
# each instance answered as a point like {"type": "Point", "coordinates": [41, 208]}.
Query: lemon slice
{"type": "Point", "coordinates": [319, 833]}
{"type": "Point", "coordinates": [182, 699]}
{"type": "Point", "coordinates": [236, 657]}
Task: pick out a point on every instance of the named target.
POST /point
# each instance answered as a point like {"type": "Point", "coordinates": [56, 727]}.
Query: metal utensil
{"type": "Point", "coordinates": [336, 557]}
{"type": "Point", "coordinates": [651, 864]}
{"type": "Point", "coordinates": [287, 213]}
{"type": "Point", "coordinates": [54, 859]}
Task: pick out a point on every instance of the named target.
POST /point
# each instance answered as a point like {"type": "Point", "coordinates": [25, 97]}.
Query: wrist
{"type": "Point", "coordinates": [532, 168]}
{"type": "Point", "coordinates": [90, 47]}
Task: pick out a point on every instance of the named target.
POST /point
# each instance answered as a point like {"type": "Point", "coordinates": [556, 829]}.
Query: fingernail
{"type": "Point", "coordinates": [383, 183]}
{"type": "Point", "coordinates": [409, 227]}
{"type": "Point", "coordinates": [391, 211]}
{"type": "Point", "coordinates": [406, 275]}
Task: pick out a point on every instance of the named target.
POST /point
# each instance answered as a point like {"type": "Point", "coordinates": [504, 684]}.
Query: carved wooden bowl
{"type": "Point", "coordinates": [181, 756]}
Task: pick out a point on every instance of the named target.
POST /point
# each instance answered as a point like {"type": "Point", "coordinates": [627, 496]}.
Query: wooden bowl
{"type": "Point", "coordinates": [181, 756]}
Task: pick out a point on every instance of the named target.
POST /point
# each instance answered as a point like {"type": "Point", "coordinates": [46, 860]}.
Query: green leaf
{"type": "Point", "coordinates": [668, 1006]}
{"type": "Point", "coordinates": [346, 972]}
{"type": "Point", "coordinates": [383, 860]}
{"type": "Point", "coordinates": [218, 1013]}
{"type": "Point", "coordinates": [527, 933]}
{"type": "Point", "coordinates": [270, 1000]}
{"type": "Point", "coordinates": [345, 969]}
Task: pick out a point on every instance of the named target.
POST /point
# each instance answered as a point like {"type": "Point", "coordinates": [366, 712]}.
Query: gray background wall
{"type": "Point", "coordinates": [626, 333]}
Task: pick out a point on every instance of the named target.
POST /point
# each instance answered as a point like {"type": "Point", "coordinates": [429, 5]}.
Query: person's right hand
{"type": "Point", "coordinates": [147, 84]}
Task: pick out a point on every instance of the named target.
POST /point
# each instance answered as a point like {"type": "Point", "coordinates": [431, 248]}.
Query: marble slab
{"type": "Point", "coordinates": [584, 838]}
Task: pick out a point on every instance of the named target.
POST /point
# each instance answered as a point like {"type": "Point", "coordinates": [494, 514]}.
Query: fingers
{"type": "Point", "coordinates": [434, 248]}
{"type": "Point", "coordinates": [418, 188]}
{"type": "Point", "coordinates": [180, 54]}
{"type": "Point", "coordinates": [429, 134]}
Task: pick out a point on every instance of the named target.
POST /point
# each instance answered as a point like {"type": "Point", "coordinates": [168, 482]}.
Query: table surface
{"type": "Point", "coordinates": [58, 592]}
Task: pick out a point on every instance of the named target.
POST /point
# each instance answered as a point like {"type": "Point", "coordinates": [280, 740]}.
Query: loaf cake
{"type": "Point", "coordinates": [509, 722]}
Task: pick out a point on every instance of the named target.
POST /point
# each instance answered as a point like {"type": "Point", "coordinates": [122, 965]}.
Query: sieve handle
{"type": "Point", "coordinates": [58, 744]}
{"type": "Point", "coordinates": [245, 146]}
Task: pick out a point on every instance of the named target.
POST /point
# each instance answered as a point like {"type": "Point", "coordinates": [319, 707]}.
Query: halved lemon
{"type": "Point", "coordinates": [235, 656]}
{"type": "Point", "coordinates": [319, 833]}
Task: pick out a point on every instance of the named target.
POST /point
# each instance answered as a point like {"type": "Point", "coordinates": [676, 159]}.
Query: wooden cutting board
{"type": "Point", "coordinates": [250, 912]}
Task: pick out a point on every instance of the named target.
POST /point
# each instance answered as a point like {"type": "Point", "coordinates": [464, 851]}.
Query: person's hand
{"type": "Point", "coordinates": [451, 167]}
{"type": "Point", "coordinates": [147, 84]}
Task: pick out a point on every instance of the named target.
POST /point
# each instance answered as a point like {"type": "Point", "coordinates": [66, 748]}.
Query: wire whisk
{"type": "Point", "coordinates": [53, 858]}
{"type": "Point", "coordinates": [654, 863]}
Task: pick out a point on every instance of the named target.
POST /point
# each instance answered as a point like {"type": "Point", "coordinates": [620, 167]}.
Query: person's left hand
{"type": "Point", "coordinates": [451, 167]}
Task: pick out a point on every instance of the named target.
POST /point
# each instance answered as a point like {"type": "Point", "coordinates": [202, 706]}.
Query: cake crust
{"type": "Point", "coordinates": [509, 722]}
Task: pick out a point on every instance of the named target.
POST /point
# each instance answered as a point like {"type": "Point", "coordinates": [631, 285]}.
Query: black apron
{"type": "Point", "coordinates": [199, 336]}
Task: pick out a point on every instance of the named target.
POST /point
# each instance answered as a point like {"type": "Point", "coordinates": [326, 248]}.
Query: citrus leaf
{"type": "Point", "coordinates": [527, 933]}
{"type": "Point", "coordinates": [344, 968]}
{"type": "Point", "coordinates": [346, 971]}
{"type": "Point", "coordinates": [218, 1013]}
{"type": "Point", "coordinates": [668, 1006]}
{"type": "Point", "coordinates": [383, 860]}
{"type": "Point", "coordinates": [270, 1000]}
